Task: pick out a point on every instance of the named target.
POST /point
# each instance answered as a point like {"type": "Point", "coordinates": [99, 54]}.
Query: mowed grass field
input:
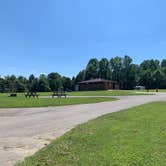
{"type": "Point", "coordinates": [22, 102]}
{"type": "Point", "coordinates": [154, 90]}
{"type": "Point", "coordinates": [134, 137]}
{"type": "Point", "coordinates": [102, 93]}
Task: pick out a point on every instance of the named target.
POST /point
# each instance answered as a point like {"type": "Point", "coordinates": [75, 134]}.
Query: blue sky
{"type": "Point", "coordinates": [41, 36]}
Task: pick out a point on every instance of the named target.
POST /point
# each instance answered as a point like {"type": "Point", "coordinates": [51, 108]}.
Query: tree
{"type": "Point", "coordinates": [34, 85]}
{"type": "Point", "coordinates": [43, 85]}
{"type": "Point", "coordinates": [158, 76]}
{"type": "Point", "coordinates": [163, 63]}
{"type": "Point", "coordinates": [116, 68]}
{"type": "Point", "coordinates": [30, 81]}
{"type": "Point", "coordinates": [31, 78]}
{"type": "Point", "coordinates": [67, 83]}
{"type": "Point", "coordinates": [2, 85]}
{"type": "Point", "coordinates": [92, 69]}
{"type": "Point", "coordinates": [21, 84]}
{"type": "Point", "coordinates": [128, 73]}
{"type": "Point", "coordinates": [81, 76]}
{"type": "Point", "coordinates": [146, 79]}
{"type": "Point", "coordinates": [150, 65]}
{"type": "Point", "coordinates": [104, 69]}
{"type": "Point", "coordinates": [54, 80]}
{"type": "Point", "coordinates": [10, 84]}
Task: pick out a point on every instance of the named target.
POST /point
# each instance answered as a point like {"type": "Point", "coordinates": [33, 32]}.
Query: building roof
{"type": "Point", "coordinates": [97, 80]}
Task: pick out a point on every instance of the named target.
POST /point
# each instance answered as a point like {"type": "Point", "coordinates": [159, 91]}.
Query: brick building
{"type": "Point", "coordinates": [98, 84]}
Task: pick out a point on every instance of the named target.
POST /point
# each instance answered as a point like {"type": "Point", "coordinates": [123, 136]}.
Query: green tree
{"type": "Point", "coordinates": [158, 77]}
{"type": "Point", "coordinates": [31, 78]}
{"type": "Point", "coordinates": [2, 85]}
{"type": "Point", "coordinates": [150, 65]}
{"type": "Point", "coordinates": [67, 83]}
{"type": "Point", "coordinates": [30, 81]}
{"type": "Point", "coordinates": [128, 73]}
{"type": "Point", "coordinates": [163, 63]}
{"type": "Point", "coordinates": [92, 69]}
{"type": "Point", "coordinates": [43, 85]}
{"type": "Point", "coordinates": [116, 68]}
{"type": "Point", "coordinates": [146, 79]}
{"type": "Point", "coordinates": [104, 69]}
{"type": "Point", "coordinates": [10, 84]}
{"type": "Point", "coordinates": [81, 76]}
{"type": "Point", "coordinates": [34, 85]}
{"type": "Point", "coordinates": [21, 84]}
{"type": "Point", "coordinates": [55, 81]}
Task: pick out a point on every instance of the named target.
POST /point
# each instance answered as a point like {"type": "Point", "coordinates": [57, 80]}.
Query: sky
{"type": "Point", "coordinates": [43, 36]}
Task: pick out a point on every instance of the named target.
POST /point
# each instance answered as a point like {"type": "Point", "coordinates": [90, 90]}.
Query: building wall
{"type": "Point", "coordinates": [98, 86]}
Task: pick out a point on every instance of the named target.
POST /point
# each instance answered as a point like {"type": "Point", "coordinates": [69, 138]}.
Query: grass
{"type": "Point", "coordinates": [134, 137]}
{"type": "Point", "coordinates": [101, 93]}
{"type": "Point", "coordinates": [22, 102]}
{"type": "Point", "coordinates": [154, 90]}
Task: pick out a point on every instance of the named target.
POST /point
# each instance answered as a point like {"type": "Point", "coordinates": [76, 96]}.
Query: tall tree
{"type": "Point", "coordinates": [92, 69]}
{"type": "Point", "coordinates": [43, 85]}
{"type": "Point", "coordinates": [10, 83]}
{"type": "Point", "coordinates": [67, 83]}
{"type": "Point", "coordinates": [104, 69]}
{"type": "Point", "coordinates": [30, 81]}
{"type": "Point", "coordinates": [21, 84]}
{"type": "Point", "coordinates": [146, 79]}
{"type": "Point", "coordinates": [128, 73]}
{"type": "Point", "coordinates": [116, 68]}
{"type": "Point", "coordinates": [163, 63]}
{"type": "Point", "coordinates": [2, 85]}
{"type": "Point", "coordinates": [158, 76]}
{"type": "Point", "coordinates": [150, 65]}
{"type": "Point", "coordinates": [34, 85]}
{"type": "Point", "coordinates": [31, 78]}
{"type": "Point", "coordinates": [55, 81]}
{"type": "Point", "coordinates": [81, 76]}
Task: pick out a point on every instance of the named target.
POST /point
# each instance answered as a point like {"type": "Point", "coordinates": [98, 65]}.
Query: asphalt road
{"type": "Point", "coordinates": [25, 130]}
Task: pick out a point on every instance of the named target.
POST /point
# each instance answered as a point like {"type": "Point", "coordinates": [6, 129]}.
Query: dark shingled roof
{"type": "Point", "coordinates": [97, 80]}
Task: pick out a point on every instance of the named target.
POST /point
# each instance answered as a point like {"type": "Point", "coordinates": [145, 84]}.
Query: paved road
{"type": "Point", "coordinates": [23, 131]}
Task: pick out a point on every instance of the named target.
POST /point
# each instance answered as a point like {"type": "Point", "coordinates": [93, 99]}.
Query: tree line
{"type": "Point", "coordinates": [150, 73]}
{"type": "Point", "coordinates": [43, 83]}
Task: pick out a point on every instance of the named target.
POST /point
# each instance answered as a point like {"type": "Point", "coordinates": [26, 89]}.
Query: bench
{"type": "Point", "coordinates": [59, 94]}
{"type": "Point", "coordinates": [31, 94]}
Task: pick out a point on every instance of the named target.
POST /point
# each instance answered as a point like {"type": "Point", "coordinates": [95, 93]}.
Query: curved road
{"type": "Point", "coordinates": [25, 130]}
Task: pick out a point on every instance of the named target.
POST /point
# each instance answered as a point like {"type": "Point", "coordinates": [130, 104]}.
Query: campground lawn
{"type": "Point", "coordinates": [101, 96]}
{"type": "Point", "coordinates": [107, 93]}
{"type": "Point", "coordinates": [22, 102]}
{"type": "Point", "coordinates": [154, 90]}
{"type": "Point", "coordinates": [101, 93]}
{"type": "Point", "coordinates": [134, 137]}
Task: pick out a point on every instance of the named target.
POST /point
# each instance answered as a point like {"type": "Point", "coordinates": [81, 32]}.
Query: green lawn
{"type": "Point", "coordinates": [101, 93]}
{"type": "Point", "coordinates": [21, 101]}
{"type": "Point", "coordinates": [154, 90]}
{"type": "Point", "coordinates": [134, 137]}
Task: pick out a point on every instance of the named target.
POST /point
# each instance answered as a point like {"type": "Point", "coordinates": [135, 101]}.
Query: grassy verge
{"type": "Point", "coordinates": [20, 101]}
{"type": "Point", "coordinates": [101, 93]}
{"type": "Point", "coordinates": [128, 138]}
{"type": "Point", "coordinates": [154, 90]}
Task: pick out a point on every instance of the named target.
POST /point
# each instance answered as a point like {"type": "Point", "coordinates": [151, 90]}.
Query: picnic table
{"type": "Point", "coordinates": [13, 95]}
{"type": "Point", "coordinates": [59, 94]}
{"type": "Point", "coordinates": [31, 94]}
